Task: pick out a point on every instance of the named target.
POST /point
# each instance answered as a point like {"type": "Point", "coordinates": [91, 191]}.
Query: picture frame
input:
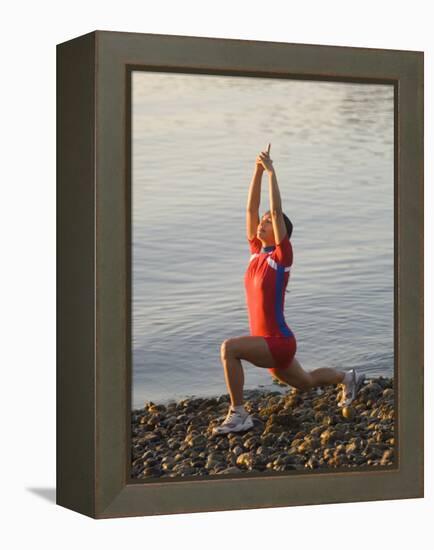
{"type": "Point", "coordinates": [94, 276]}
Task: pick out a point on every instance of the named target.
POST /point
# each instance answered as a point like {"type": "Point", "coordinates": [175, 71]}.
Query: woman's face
{"type": "Point", "coordinates": [265, 231]}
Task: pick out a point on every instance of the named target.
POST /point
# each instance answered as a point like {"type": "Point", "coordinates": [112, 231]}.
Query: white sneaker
{"type": "Point", "coordinates": [234, 422]}
{"type": "Point", "coordinates": [349, 391]}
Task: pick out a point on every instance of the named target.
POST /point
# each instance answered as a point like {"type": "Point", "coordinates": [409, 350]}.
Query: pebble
{"type": "Point", "coordinates": [232, 470]}
{"type": "Point", "coordinates": [348, 413]}
{"type": "Point", "coordinates": [244, 459]}
{"type": "Point", "coordinates": [292, 430]}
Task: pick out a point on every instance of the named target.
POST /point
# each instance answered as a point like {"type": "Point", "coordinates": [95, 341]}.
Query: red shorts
{"type": "Point", "coordinates": [282, 349]}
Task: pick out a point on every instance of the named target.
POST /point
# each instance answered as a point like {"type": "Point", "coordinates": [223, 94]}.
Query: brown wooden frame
{"type": "Point", "coordinates": [93, 271]}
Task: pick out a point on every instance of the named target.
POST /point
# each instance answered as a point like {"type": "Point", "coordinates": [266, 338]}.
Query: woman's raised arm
{"type": "Point", "coordinates": [279, 226]}
{"type": "Point", "coordinates": [253, 201]}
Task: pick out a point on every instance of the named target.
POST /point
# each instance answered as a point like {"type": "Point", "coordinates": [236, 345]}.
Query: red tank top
{"type": "Point", "coordinates": [265, 282]}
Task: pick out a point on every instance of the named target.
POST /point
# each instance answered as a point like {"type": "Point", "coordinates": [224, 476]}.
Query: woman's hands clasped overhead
{"type": "Point", "coordinates": [264, 161]}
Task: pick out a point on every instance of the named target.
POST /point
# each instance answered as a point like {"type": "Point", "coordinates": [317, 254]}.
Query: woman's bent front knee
{"type": "Point", "coordinates": [227, 348]}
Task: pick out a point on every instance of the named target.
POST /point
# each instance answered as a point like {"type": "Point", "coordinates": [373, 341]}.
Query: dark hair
{"type": "Point", "coordinates": [288, 223]}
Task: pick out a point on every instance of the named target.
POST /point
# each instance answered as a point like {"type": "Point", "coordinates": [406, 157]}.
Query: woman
{"type": "Point", "coordinates": [271, 344]}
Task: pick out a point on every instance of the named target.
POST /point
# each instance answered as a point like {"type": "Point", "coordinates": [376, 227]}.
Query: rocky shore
{"type": "Point", "coordinates": [292, 431]}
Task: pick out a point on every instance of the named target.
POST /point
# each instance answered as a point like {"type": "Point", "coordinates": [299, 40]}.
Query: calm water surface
{"type": "Point", "coordinates": [195, 140]}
